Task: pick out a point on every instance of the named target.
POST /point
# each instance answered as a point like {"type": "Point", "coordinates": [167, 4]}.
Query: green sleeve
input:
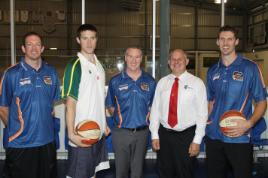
{"type": "Point", "coordinates": [71, 79]}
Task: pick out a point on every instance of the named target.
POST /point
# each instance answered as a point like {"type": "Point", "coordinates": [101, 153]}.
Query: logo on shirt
{"type": "Point", "coordinates": [239, 76]}
{"type": "Point", "coordinates": [48, 80]}
{"type": "Point", "coordinates": [123, 87]}
{"type": "Point", "coordinates": [187, 87]}
{"type": "Point", "coordinates": [216, 77]}
{"type": "Point", "coordinates": [25, 81]}
{"type": "Point", "coordinates": [145, 86]}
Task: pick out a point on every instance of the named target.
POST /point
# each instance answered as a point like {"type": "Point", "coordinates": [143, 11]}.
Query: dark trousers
{"type": "Point", "coordinates": [36, 162]}
{"type": "Point", "coordinates": [173, 157]}
{"type": "Point", "coordinates": [221, 156]}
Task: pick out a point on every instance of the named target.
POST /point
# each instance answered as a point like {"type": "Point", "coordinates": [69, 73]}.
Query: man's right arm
{"type": "Point", "coordinates": [70, 122]}
{"type": "Point", "coordinates": [4, 114]}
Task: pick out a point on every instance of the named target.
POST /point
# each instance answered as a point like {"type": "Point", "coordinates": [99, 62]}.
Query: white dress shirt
{"type": "Point", "coordinates": [192, 105]}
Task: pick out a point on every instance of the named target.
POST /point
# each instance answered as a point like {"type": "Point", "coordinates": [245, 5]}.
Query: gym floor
{"type": "Point", "coordinates": [150, 169]}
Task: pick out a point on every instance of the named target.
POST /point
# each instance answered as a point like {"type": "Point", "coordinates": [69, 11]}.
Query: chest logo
{"type": "Point", "coordinates": [25, 81]}
{"type": "Point", "coordinates": [48, 80]}
{"type": "Point", "coordinates": [239, 76]}
{"type": "Point", "coordinates": [216, 77]}
{"type": "Point", "coordinates": [123, 87]}
{"type": "Point", "coordinates": [145, 86]}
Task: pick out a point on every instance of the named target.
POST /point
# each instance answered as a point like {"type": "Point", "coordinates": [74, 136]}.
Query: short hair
{"type": "Point", "coordinates": [32, 33]}
{"type": "Point", "coordinates": [178, 50]}
{"type": "Point", "coordinates": [85, 27]}
{"type": "Point", "coordinates": [228, 28]}
{"type": "Point", "coordinates": [134, 47]}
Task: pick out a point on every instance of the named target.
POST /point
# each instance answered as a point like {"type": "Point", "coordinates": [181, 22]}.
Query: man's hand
{"type": "Point", "coordinates": [156, 144]}
{"type": "Point", "coordinates": [241, 128]}
{"type": "Point", "coordinates": [194, 149]}
{"type": "Point", "coordinates": [107, 131]}
{"type": "Point", "coordinates": [77, 140]}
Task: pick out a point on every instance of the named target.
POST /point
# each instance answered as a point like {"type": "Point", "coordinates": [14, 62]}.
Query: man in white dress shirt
{"type": "Point", "coordinates": [178, 118]}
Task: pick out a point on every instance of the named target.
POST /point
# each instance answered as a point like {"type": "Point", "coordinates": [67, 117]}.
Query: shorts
{"type": "Point", "coordinates": [85, 162]}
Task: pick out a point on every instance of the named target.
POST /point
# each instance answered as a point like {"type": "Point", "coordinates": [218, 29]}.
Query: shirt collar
{"type": "Point", "coordinates": [125, 75]}
{"type": "Point", "coordinates": [182, 77]}
{"type": "Point", "coordinates": [27, 67]}
{"type": "Point", "coordinates": [84, 60]}
{"type": "Point", "coordinates": [236, 62]}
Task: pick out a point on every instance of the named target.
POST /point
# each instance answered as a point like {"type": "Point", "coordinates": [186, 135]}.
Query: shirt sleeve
{"type": "Point", "coordinates": [56, 95]}
{"type": "Point", "coordinates": [110, 98]}
{"type": "Point", "coordinates": [210, 90]}
{"type": "Point", "coordinates": [153, 92]}
{"type": "Point", "coordinates": [258, 89]}
{"type": "Point", "coordinates": [202, 113]}
{"type": "Point", "coordinates": [6, 90]}
{"type": "Point", "coordinates": [155, 113]}
{"type": "Point", "coordinates": [71, 80]}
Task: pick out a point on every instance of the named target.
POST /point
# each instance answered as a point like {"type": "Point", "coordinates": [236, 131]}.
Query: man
{"type": "Point", "coordinates": [129, 99]}
{"type": "Point", "coordinates": [178, 119]}
{"type": "Point", "coordinates": [27, 95]}
{"type": "Point", "coordinates": [84, 90]}
{"type": "Point", "coordinates": [232, 84]}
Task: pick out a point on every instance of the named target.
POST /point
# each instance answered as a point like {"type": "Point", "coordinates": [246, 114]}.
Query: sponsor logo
{"type": "Point", "coordinates": [25, 81]}
{"type": "Point", "coordinates": [239, 76]}
{"type": "Point", "coordinates": [216, 77]}
{"type": "Point", "coordinates": [187, 87]}
{"type": "Point", "coordinates": [145, 86]}
{"type": "Point", "coordinates": [47, 80]}
{"type": "Point", "coordinates": [123, 87]}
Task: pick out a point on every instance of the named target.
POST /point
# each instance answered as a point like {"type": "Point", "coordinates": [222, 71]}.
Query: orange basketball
{"type": "Point", "coordinates": [90, 130]}
{"type": "Point", "coordinates": [228, 118]}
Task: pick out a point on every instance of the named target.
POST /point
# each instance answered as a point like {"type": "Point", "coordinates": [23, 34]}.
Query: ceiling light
{"type": "Point", "coordinates": [219, 1]}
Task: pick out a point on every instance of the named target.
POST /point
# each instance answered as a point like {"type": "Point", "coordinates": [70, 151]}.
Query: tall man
{"type": "Point", "coordinates": [232, 84]}
{"type": "Point", "coordinates": [84, 90]}
{"type": "Point", "coordinates": [178, 119]}
{"type": "Point", "coordinates": [129, 99]}
{"type": "Point", "coordinates": [27, 95]}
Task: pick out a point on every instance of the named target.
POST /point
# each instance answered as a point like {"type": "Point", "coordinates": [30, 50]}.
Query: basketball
{"type": "Point", "coordinates": [227, 120]}
{"type": "Point", "coordinates": [90, 130]}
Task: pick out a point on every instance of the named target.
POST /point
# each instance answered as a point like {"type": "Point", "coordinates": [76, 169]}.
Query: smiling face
{"type": "Point", "coordinates": [227, 43]}
{"type": "Point", "coordinates": [178, 62]}
{"type": "Point", "coordinates": [32, 48]}
{"type": "Point", "coordinates": [133, 58]}
{"type": "Point", "coordinates": [87, 41]}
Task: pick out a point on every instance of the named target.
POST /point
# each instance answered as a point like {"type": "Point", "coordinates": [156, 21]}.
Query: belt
{"type": "Point", "coordinates": [136, 129]}
{"type": "Point", "coordinates": [175, 131]}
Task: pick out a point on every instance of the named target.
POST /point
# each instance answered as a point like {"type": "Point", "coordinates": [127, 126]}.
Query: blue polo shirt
{"type": "Point", "coordinates": [29, 95]}
{"type": "Point", "coordinates": [229, 87]}
{"type": "Point", "coordinates": [131, 99]}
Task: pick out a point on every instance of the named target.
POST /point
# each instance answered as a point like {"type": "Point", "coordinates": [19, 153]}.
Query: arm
{"type": "Point", "coordinates": [201, 120]}
{"type": "Point", "coordinates": [110, 111]}
{"type": "Point", "coordinates": [210, 106]}
{"type": "Point", "coordinates": [259, 111]}
{"type": "Point", "coordinates": [244, 125]}
{"type": "Point", "coordinates": [4, 114]}
{"type": "Point", "coordinates": [154, 119]}
{"type": "Point", "coordinates": [70, 116]}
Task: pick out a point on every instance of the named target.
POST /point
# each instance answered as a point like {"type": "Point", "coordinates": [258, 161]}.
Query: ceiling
{"type": "Point", "coordinates": [234, 5]}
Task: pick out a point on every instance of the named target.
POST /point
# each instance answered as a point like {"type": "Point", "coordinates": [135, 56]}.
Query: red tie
{"type": "Point", "coordinates": [173, 104]}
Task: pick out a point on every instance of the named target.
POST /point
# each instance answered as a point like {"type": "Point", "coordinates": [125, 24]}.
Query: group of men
{"type": "Point", "coordinates": [178, 111]}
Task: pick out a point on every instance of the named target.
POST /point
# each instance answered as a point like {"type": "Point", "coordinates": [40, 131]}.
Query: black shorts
{"type": "Point", "coordinates": [222, 156]}
{"type": "Point", "coordinates": [35, 162]}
